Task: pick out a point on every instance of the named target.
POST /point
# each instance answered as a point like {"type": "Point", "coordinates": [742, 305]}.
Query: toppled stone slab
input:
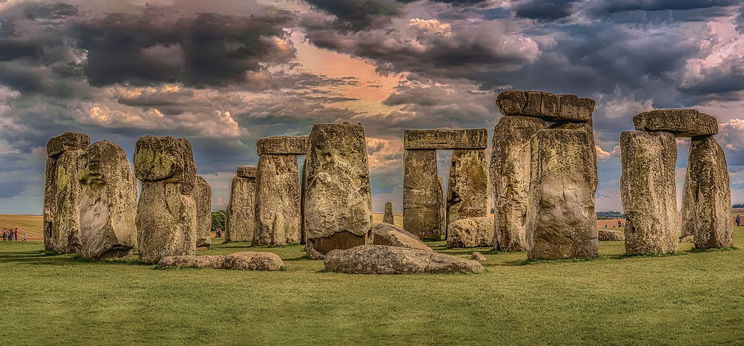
{"type": "Point", "coordinates": [706, 200]}
{"type": "Point", "coordinates": [477, 256]}
{"type": "Point", "coordinates": [247, 172]}
{"type": "Point", "coordinates": [108, 206]}
{"type": "Point", "coordinates": [647, 185]}
{"type": "Point", "coordinates": [251, 260]}
{"type": "Point", "coordinates": [446, 139]}
{"type": "Point", "coordinates": [391, 235]}
{"type": "Point", "coordinates": [277, 201]}
{"type": "Point", "coordinates": [423, 198]}
{"type": "Point", "coordinates": [241, 221]}
{"type": "Point", "coordinates": [215, 262]}
{"type": "Point", "coordinates": [471, 232]}
{"type": "Point", "coordinates": [282, 145]}
{"type": "Point", "coordinates": [203, 199]}
{"type": "Point", "coordinates": [680, 122]}
{"type": "Point", "coordinates": [381, 259]}
{"type": "Point", "coordinates": [611, 235]}
{"type": "Point", "coordinates": [545, 105]}
{"type": "Point", "coordinates": [388, 216]}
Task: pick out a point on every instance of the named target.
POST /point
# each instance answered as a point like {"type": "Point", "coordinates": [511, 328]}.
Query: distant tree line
{"type": "Point", "coordinates": [739, 205]}
{"type": "Point", "coordinates": [218, 220]}
{"type": "Point", "coordinates": [604, 215]}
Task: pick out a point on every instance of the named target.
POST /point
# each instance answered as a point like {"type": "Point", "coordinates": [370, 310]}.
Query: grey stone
{"type": "Point", "coordinates": [388, 234]}
{"type": "Point", "coordinates": [251, 260]}
{"type": "Point", "coordinates": [192, 261]}
{"type": "Point", "coordinates": [67, 141]}
{"type": "Point", "coordinates": [388, 216]}
{"type": "Point", "coordinates": [545, 105]}
{"type": "Point", "coordinates": [108, 205]}
{"type": "Point", "coordinates": [277, 201]}
{"type": "Point", "coordinates": [467, 191]}
{"type": "Point", "coordinates": [648, 192]}
{"type": "Point", "coordinates": [706, 202]}
{"type": "Point", "coordinates": [446, 139]}
{"type": "Point", "coordinates": [381, 259]}
{"type": "Point", "coordinates": [338, 199]}
{"type": "Point", "coordinates": [422, 194]}
{"type": "Point", "coordinates": [203, 199]}
{"type": "Point", "coordinates": [241, 220]}
{"type": "Point", "coordinates": [282, 145]}
{"type": "Point", "coordinates": [471, 232]}
{"type": "Point", "coordinates": [680, 122]}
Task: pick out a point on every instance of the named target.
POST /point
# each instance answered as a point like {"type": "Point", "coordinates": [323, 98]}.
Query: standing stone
{"type": "Point", "coordinates": [338, 199]}
{"type": "Point", "coordinates": [303, 183]}
{"type": "Point", "coordinates": [648, 192]}
{"type": "Point", "coordinates": [561, 222]}
{"type": "Point", "coordinates": [388, 216]}
{"type": "Point", "coordinates": [203, 198]}
{"type": "Point", "coordinates": [467, 191]}
{"type": "Point", "coordinates": [108, 206]}
{"type": "Point", "coordinates": [62, 193]}
{"type": "Point", "coordinates": [277, 201]}
{"type": "Point", "coordinates": [241, 221]}
{"type": "Point", "coordinates": [706, 203]}
{"type": "Point", "coordinates": [166, 211]}
{"type": "Point", "coordinates": [422, 194]}
{"type": "Point", "coordinates": [510, 175]}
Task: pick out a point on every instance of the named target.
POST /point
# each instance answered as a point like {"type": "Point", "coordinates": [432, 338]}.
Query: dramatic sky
{"type": "Point", "coordinates": [226, 73]}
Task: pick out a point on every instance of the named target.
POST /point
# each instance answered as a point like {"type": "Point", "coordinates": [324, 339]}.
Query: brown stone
{"type": "Point", "coordinates": [381, 259]}
{"type": "Point", "coordinates": [545, 105]}
{"type": "Point", "coordinates": [388, 216]}
{"type": "Point", "coordinates": [471, 232]}
{"type": "Point", "coordinates": [467, 191]}
{"type": "Point", "coordinates": [247, 172]}
{"type": "Point", "coordinates": [680, 122]}
{"type": "Point", "coordinates": [611, 235]}
{"type": "Point", "coordinates": [648, 192]}
{"type": "Point", "coordinates": [251, 260]}
{"type": "Point", "coordinates": [277, 201]}
{"type": "Point", "coordinates": [203, 199]}
{"type": "Point", "coordinates": [282, 145]}
{"type": "Point", "coordinates": [422, 194]}
{"type": "Point", "coordinates": [391, 235]}
{"type": "Point", "coordinates": [67, 141]}
{"type": "Point", "coordinates": [446, 139]}
{"type": "Point", "coordinates": [215, 262]}
{"type": "Point", "coordinates": [477, 256]}
{"type": "Point", "coordinates": [241, 220]}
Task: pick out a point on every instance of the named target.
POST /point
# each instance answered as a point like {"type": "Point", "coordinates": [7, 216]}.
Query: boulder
{"type": "Point", "coordinates": [478, 256]}
{"type": "Point", "coordinates": [62, 193]}
{"type": "Point", "coordinates": [647, 185]}
{"type": "Point", "coordinates": [545, 105]}
{"type": "Point", "coordinates": [467, 191]}
{"type": "Point", "coordinates": [510, 177]}
{"type": "Point", "coordinates": [251, 260]}
{"type": "Point", "coordinates": [446, 139]}
{"type": "Point", "coordinates": [471, 232]}
{"type": "Point", "coordinates": [687, 239]}
{"type": "Point", "coordinates": [391, 235]}
{"type": "Point", "coordinates": [680, 122]}
{"type": "Point", "coordinates": [215, 262]}
{"type": "Point", "coordinates": [338, 199]}
{"type": "Point", "coordinates": [423, 200]}
{"type": "Point", "coordinates": [706, 200]}
{"type": "Point", "coordinates": [381, 259]}
{"type": "Point", "coordinates": [108, 204]}
{"type": "Point", "coordinates": [166, 211]}
{"type": "Point", "coordinates": [611, 235]}
{"type": "Point", "coordinates": [277, 201]}
{"type": "Point", "coordinates": [388, 216]}
{"type": "Point", "coordinates": [561, 222]}
{"type": "Point", "coordinates": [282, 145]}
{"type": "Point", "coordinates": [203, 199]}
{"type": "Point", "coordinates": [241, 220]}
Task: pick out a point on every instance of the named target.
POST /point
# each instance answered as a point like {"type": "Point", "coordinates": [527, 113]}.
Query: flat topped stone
{"type": "Point", "coordinates": [282, 145]}
{"type": "Point", "coordinates": [67, 141]}
{"type": "Point", "coordinates": [246, 171]}
{"type": "Point", "coordinates": [446, 139]}
{"type": "Point", "coordinates": [545, 105]}
{"type": "Point", "coordinates": [680, 122]}
{"type": "Point", "coordinates": [166, 159]}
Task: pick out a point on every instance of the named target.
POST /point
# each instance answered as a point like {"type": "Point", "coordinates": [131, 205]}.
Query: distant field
{"type": "Point", "coordinates": [29, 224]}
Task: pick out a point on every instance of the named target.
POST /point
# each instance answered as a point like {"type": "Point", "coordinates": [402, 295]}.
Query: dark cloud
{"type": "Point", "coordinates": [545, 9]}
{"type": "Point", "coordinates": [606, 7]}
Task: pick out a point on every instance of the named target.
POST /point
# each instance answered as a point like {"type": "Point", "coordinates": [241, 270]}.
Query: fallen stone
{"type": "Point", "coordinates": [510, 177]}
{"type": "Point", "coordinates": [611, 235]}
{"type": "Point", "coordinates": [478, 256]}
{"type": "Point", "coordinates": [648, 192]}
{"type": "Point", "coordinates": [391, 235]}
{"type": "Point", "coordinates": [381, 259]}
{"type": "Point", "coordinates": [241, 221]}
{"type": "Point", "coordinates": [561, 218]}
{"type": "Point", "coordinates": [251, 260]}
{"type": "Point", "coordinates": [706, 201]}
{"type": "Point", "coordinates": [471, 232]}
{"type": "Point", "coordinates": [423, 200]}
{"type": "Point", "coordinates": [388, 216]}
{"type": "Point", "coordinates": [282, 145]}
{"type": "Point", "coordinates": [108, 204]}
{"type": "Point", "coordinates": [277, 201]}
{"type": "Point", "coordinates": [545, 105]}
{"type": "Point", "coordinates": [215, 262]}
{"type": "Point", "coordinates": [680, 122]}
{"type": "Point", "coordinates": [446, 139]}
{"type": "Point", "coordinates": [203, 199]}
{"type": "Point", "coordinates": [338, 199]}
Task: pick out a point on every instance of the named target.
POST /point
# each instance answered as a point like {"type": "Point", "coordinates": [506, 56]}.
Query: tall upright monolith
{"type": "Point", "coordinates": [241, 220]}
{"type": "Point", "coordinates": [388, 216]}
{"type": "Point", "coordinates": [203, 199]}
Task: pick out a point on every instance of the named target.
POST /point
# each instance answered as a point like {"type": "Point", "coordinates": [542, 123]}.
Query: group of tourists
{"type": "Point", "coordinates": [12, 234]}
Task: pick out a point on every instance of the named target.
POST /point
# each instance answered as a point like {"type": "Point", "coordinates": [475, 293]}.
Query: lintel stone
{"type": "Point", "coordinates": [545, 105]}
{"type": "Point", "coordinates": [680, 122]}
{"type": "Point", "coordinates": [446, 139]}
{"type": "Point", "coordinates": [246, 171]}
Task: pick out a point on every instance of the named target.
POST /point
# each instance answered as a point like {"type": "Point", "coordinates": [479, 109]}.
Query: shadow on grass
{"type": "Point", "coordinates": [556, 261]}
{"type": "Point", "coordinates": [720, 249]}
{"type": "Point", "coordinates": [626, 256]}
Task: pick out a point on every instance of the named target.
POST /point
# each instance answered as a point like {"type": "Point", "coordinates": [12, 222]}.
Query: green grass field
{"type": "Point", "coordinates": [689, 298]}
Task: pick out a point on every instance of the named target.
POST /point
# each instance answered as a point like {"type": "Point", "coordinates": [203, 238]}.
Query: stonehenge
{"type": "Point", "coordinates": [470, 232]}
{"type": "Point", "coordinates": [338, 200]}
{"type": "Point", "coordinates": [382, 259]}
{"type": "Point", "coordinates": [388, 216]}
{"type": "Point", "coordinates": [166, 210]}
{"type": "Point", "coordinates": [278, 191]}
{"type": "Point", "coordinates": [467, 191]}
{"type": "Point", "coordinates": [108, 203]}
{"type": "Point", "coordinates": [203, 199]}
{"type": "Point", "coordinates": [241, 221]}
{"type": "Point", "coordinates": [62, 193]}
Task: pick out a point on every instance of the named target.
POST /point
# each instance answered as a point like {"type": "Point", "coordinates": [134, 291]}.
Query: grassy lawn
{"type": "Point", "coordinates": [690, 298]}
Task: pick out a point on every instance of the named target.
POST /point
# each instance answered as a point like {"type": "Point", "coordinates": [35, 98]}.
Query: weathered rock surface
{"type": "Point", "coordinates": [62, 193]}
{"type": "Point", "coordinates": [611, 235]}
{"type": "Point", "coordinates": [391, 235]}
{"type": "Point", "coordinates": [467, 192]}
{"type": "Point", "coordinates": [251, 260]}
{"type": "Point", "coordinates": [471, 232]}
{"type": "Point", "coordinates": [338, 199]}
{"type": "Point", "coordinates": [108, 205]}
{"type": "Point", "coordinates": [381, 259]}
{"type": "Point", "coordinates": [166, 211]}
{"type": "Point", "coordinates": [687, 239]}
{"type": "Point", "coordinates": [680, 122]}
{"type": "Point", "coordinates": [388, 216]}
{"type": "Point", "coordinates": [477, 256]}
{"type": "Point", "coordinates": [510, 177]}
{"type": "Point", "coordinates": [422, 194]}
{"type": "Point", "coordinates": [545, 105]}
{"type": "Point", "coordinates": [446, 139]}
{"type": "Point", "coordinates": [282, 145]}
{"type": "Point", "coordinates": [648, 192]}
{"type": "Point", "coordinates": [561, 217]}
{"type": "Point", "coordinates": [241, 220]}
{"type": "Point", "coordinates": [706, 201]}
{"type": "Point", "coordinates": [215, 262]}
{"type": "Point", "coordinates": [277, 201]}
{"type": "Point", "coordinates": [203, 199]}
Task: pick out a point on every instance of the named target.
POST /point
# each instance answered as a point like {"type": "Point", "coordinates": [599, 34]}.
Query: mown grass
{"type": "Point", "coordinates": [689, 298]}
